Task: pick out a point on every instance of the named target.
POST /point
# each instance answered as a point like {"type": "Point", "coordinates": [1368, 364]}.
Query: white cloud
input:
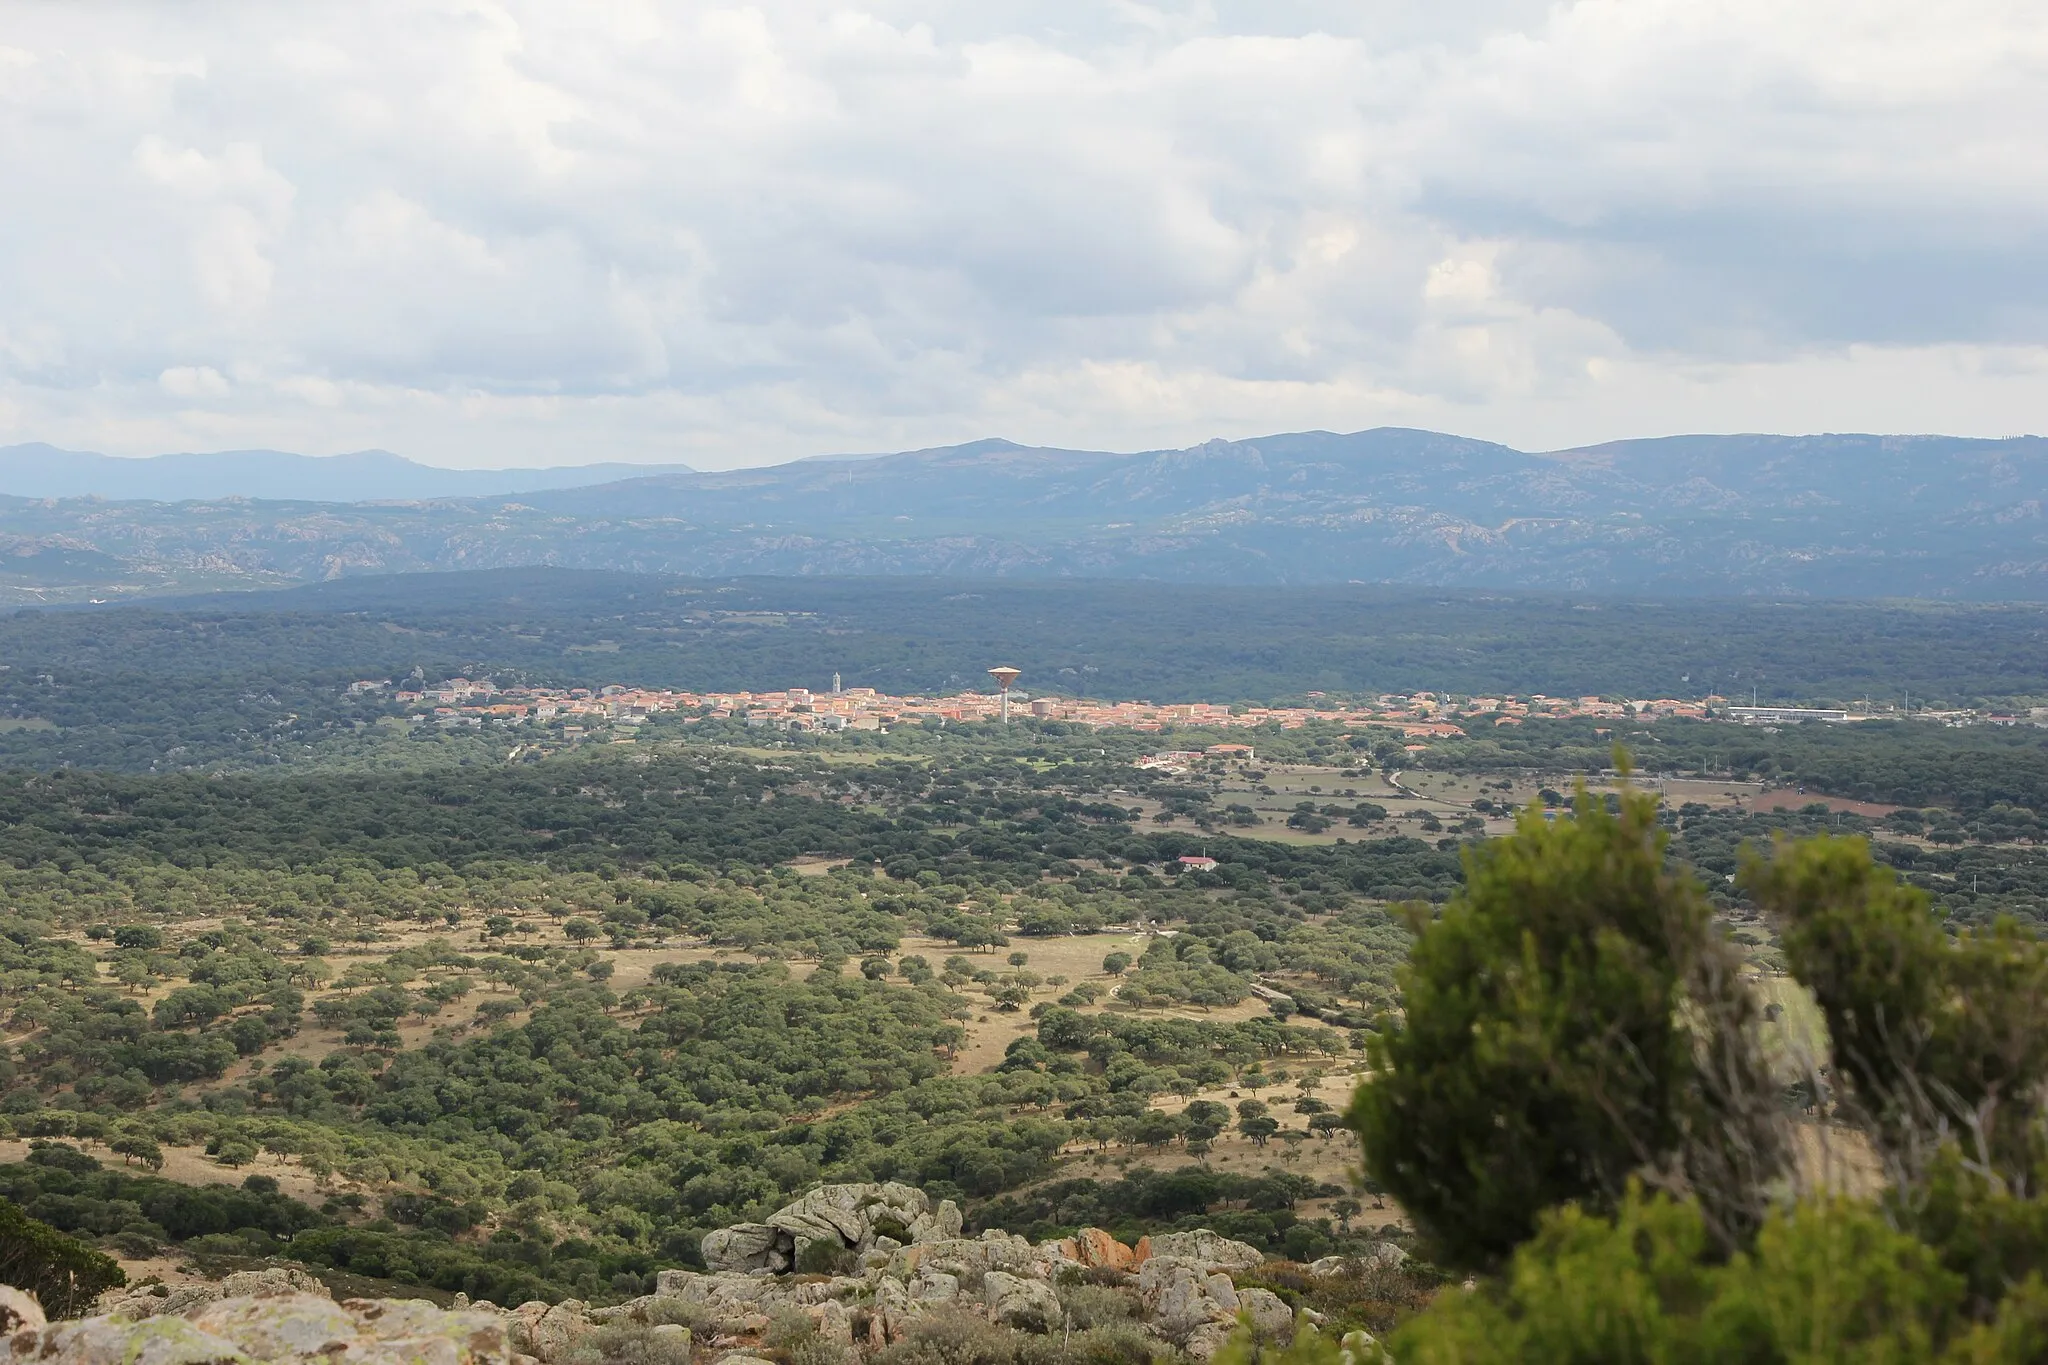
{"type": "Point", "coordinates": [193, 381]}
{"type": "Point", "coordinates": [515, 232]}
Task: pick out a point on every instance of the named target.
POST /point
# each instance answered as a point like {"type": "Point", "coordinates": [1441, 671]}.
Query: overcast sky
{"type": "Point", "coordinates": [556, 233]}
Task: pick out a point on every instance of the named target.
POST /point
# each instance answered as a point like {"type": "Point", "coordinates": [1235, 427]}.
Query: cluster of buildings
{"type": "Point", "coordinates": [1419, 716]}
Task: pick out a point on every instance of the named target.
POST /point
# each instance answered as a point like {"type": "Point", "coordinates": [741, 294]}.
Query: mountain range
{"type": "Point", "coordinates": [44, 471]}
{"type": "Point", "coordinates": [1748, 515]}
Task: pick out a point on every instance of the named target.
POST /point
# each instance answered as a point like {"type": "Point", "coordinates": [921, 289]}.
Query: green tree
{"type": "Point", "coordinates": [1932, 1040]}
{"type": "Point", "coordinates": [64, 1274]}
{"type": "Point", "coordinates": [133, 1147]}
{"type": "Point", "coordinates": [1571, 1019]}
{"type": "Point", "coordinates": [1116, 964]}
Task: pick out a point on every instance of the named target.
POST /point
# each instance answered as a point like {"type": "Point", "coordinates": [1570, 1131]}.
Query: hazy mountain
{"type": "Point", "coordinates": [44, 471]}
{"type": "Point", "coordinates": [1847, 516]}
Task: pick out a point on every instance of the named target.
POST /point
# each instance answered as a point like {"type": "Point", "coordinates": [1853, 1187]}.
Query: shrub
{"type": "Point", "coordinates": [1827, 1280]}
{"type": "Point", "coordinates": [1092, 1305]}
{"type": "Point", "coordinates": [65, 1274]}
{"type": "Point", "coordinates": [1932, 1037]}
{"type": "Point", "coordinates": [824, 1256]}
{"type": "Point", "coordinates": [1571, 1019]}
{"type": "Point", "coordinates": [956, 1337]}
{"type": "Point", "coordinates": [1367, 1295]}
{"type": "Point", "coordinates": [629, 1343]}
{"type": "Point", "coordinates": [793, 1337]}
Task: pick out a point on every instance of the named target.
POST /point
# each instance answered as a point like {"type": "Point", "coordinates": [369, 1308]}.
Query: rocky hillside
{"type": "Point", "coordinates": [1856, 516]}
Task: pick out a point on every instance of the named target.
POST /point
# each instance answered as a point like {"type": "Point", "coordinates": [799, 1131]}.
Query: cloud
{"type": "Point", "coordinates": [512, 232]}
{"type": "Point", "coordinates": [192, 381]}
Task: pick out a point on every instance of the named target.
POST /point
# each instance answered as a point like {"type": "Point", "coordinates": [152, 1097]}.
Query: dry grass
{"type": "Point", "coordinates": [191, 1166]}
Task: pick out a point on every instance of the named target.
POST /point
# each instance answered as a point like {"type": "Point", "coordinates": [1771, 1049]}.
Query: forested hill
{"type": "Point", "coordinates": [259, 677]}
{"type": "Point", "coordinates": [1836, 515]}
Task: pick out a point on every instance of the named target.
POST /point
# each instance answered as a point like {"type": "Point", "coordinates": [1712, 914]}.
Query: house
{"type": "Point", "coordinates": [1243, 751]}
{"type": "Point", "coordinates": [1198, 862]}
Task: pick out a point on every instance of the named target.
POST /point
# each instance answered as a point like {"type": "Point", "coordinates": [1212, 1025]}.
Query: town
{"type": "Point", "coordinates": [1420, 715]}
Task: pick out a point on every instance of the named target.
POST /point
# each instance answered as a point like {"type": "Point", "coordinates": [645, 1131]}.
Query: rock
{"type": "Point", "coordinates": [1377, 1255]}
{"type": "Point", "coordinates": [742, 1247]}
{"type": "Point", "coordinates": [410, 1331]}
{"type": "Point", "coordinates": [131, 1305]}
{"type": "Point", "coordinates": [1096, 1249]}
{"type": "Point", "coordinates": [1205, 1339]}
{"type": "Point", "coordinates": [864, 1218]}
{"type": "Point", "coordinates": [1188, 1303]}
{"type": "Point", "coordinates": [161, 1339]}
{"type": "Point", "coordinates": [655, 1308]}
{"type": "Point", "coordinates": [729, 1300]}
{"type": "Point", "coordinates": [934, 1286]}
{"type": "Point", "coordinates": [1018, 1302]}
{"type": "Point", "coordinates": [742, 1358]}
{"type": "Point", "coordinates": [1271, 1318]}
{"type": "Point", "coordinates": [832, 1322]}
{"type": "Point", "coordinates": [279, 1326]}
{"type": "Point", "coordinates": [276, 1279]}
{"type": "Point", "coordinates": [890, 1320]}
{"type": "Point", "coordinates": [1383, 1254]}
{"type": "Point", "coordinates": [1207, 1248]}
{"type": "Point", "coordinates": [19, 1311]}
{"type": "Point", "coordinates": [1177, 1289]}
{"type": "Point", "coordinates": [552, 1333]}
{"type": "Point", "coordinates": [276, 1328]}
{"type": "Point", "coordinates": [993, 1250]}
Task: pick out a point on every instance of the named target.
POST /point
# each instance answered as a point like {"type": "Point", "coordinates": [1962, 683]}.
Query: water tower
{"type": "Point", "coordinates": [1004, 676]}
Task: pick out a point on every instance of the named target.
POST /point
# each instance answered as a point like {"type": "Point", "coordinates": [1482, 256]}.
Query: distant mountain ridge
{"type": "Point", "coordinates": [45, 471]}
{"type": "Point", "coordinates": [1747, 515]}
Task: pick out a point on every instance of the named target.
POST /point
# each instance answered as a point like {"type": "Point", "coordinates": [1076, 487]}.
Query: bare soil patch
{"type": "Point", "coordinates": [191, 1166]}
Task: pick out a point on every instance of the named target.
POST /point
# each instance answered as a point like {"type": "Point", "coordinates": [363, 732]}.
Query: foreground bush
{"type": "Point", "coordinates": [1573, 1021]}
{"type": "Point", "coordinates": [65, 1274]}
{"type": "Point", "coordinates": [1826, 1281]}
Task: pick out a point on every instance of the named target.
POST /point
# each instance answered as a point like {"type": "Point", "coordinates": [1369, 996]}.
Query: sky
{"type": "Point", "coordinates": [513, 234]}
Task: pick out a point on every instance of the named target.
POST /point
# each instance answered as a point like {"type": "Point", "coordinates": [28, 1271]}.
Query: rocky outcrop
{"type": "Point", "coordinates": [911, 1260]}
{"type": "Point", "coordinates": [1097, 1250]}
{"type": "Point", "coordinates": [1183, 1285]}
{"type": "Point", "coordinates": [278, 1328]}
{"type": "Point", "coordinates": [1268, 1313]}
{"type": "Point", "coordinates": [1017, 1302]}
{"type": "Point", "coordinates": [549, 1332]}
{"type": "Point", "coordinates": [858, 1218]}
{"type": "Point", "coordinates": [1206, 1248]}
{"type": "Point", "coordinates": [1377, 1255]}
{"type": "Point", "coordinates": [748, 1246]}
